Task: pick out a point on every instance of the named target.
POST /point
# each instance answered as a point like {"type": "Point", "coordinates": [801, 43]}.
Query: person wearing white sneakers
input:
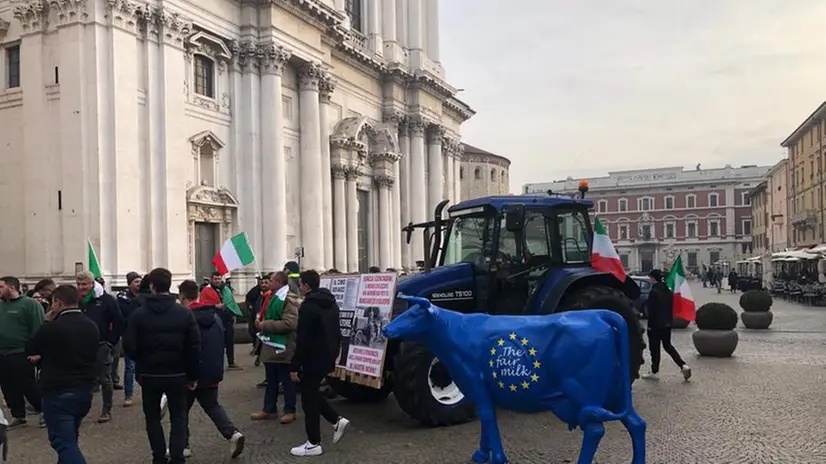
{"type": "Point", "coordinates": [318, 341]}
{"type": "Point", "coordinates": [660, 317]}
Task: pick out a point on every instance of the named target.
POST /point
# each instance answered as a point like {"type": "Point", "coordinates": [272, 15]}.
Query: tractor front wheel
{"type": "Point", "coordinates": [424, 390]}
{"type": "Point", "coordinates": [604, 297]}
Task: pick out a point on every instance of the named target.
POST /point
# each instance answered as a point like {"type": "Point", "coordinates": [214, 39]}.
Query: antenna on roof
{"type": "Point", "coordinates": [698, 166]}
{"type": "Point", "coordinates": [550, 192]}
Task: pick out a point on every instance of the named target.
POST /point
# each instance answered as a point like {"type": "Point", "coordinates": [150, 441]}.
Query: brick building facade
{"type": "Point", "coordinates": [653, 215]}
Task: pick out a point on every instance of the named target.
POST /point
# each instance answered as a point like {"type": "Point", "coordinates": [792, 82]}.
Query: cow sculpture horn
{"type": "Point", "coordinates": [423, 302]}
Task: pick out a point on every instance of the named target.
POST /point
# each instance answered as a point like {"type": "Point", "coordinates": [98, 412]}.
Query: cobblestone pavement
{"type": "Point", "coordinates": [762, 406]}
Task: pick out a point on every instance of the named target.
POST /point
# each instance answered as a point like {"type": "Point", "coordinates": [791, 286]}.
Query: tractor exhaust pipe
{"type": "Point", "coordinates": [437, 233]}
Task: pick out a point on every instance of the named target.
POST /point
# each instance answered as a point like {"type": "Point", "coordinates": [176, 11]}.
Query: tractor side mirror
{"type": "Point", "coordinates": [514, 218]}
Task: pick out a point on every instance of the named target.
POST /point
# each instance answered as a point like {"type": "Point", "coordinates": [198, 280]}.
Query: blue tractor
{"type": "Point", "coordinates": [508, 255]}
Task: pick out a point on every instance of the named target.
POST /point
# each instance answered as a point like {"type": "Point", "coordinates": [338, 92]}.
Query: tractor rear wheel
{"type": "Point", "coordinates": [424, 390]}
{"type": "Point", "coordinates": [358, 393]}
{"type": "Point", "coordinates": [604, 297]}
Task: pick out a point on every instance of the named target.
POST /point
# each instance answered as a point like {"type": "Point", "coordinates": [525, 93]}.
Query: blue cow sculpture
{"type": "Point", "coordinates": [574, 364]}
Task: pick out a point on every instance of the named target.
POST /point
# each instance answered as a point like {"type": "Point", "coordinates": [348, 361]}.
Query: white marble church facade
{"type": "Point", "coordinates": [159, 128]}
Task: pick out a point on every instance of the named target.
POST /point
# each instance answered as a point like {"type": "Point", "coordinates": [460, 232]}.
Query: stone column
{"type": "Point", "coordinates": [250, 209]}
{"type": "Point", "coordinates": [415, 29]}
{"type": "Point", "coordinates": [457, 175]}
{"type": "Point", "coordinates": [175, 29]}
{"type": "Point", "coordinates": [385, 210]}
{"type": "Point", "coordinates": [312, 204]}
{"type": "Point", "coordinates": [449, 175]}
{"type": "Point", "coordinates": [432, 23]}
{"type": "Point", "coordinates": [392, 50]}
{"type": "Point", "coordinates": [274, 187]}
{"type": "Point", "coordinates": [418, 189]}
{"type": "Point", "coordinates": [340, 217]}
{"type": "Point", "coordinates": [374, 39]}
{"type": "Point", "coordinates": [395, 219]}
{"type": "Point", "coordinates": [326, 86]}
{"type": "Point", "coordinates": [434, 165]}
{"type": "Point", "coordinates": [404, 190]}
{"type": "Point", "coordinates": [351, 176]}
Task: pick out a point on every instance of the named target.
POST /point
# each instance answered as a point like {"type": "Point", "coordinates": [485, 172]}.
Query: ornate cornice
{"type": "Point", "coordinates": [339, 171]}
{"type": "Point", "coordinates": [462, 111]}
{"type": "Point", "coordinates": [32, 14]}
{"type": "Point", "coordinates": [274, 58]}
{"type": "Point", "coordinates": [309, 76]}
{"type": "Point", "coordinates": [379, 157]}
{"type": "Point", "coordinates": [416, 125]}
{"type": "Point", "coordinates": [175, 28]}
{"type": "Point", "coordinates": [326, 86]}
{"type": "Point", "coordinates": [352, 173]}
{"type": "Point", "coordinates": [435, 133]}
{"type": "Point", "coordinates": [384, 181]}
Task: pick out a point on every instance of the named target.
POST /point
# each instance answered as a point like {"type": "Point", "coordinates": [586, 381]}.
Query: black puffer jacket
{"type": "Point", "coordinates": [660, 306]}
{"type": "Point", "coordinates": [163, 339]}
{"type": "Point", "coordinates": [105, 312]}
{"type": "Point", "coordinates": [318, 338]}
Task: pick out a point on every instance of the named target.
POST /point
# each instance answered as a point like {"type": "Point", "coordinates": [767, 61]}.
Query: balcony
{"type": "Point", "coordinates": [804, 219]}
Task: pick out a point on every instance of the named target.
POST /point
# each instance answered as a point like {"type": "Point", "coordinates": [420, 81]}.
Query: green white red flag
{"type": "Point", "coordinates": [234, 254]}
{"type": "Point", "coordinates": [684, 307]}
{"type": "Point", "coordinates": [92, 258]}
{"type": "Point", "coordinates": [604, 256]}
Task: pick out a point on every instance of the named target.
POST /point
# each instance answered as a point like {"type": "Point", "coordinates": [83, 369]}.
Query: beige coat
{"type": "Point", "coordinates": [286, 326]}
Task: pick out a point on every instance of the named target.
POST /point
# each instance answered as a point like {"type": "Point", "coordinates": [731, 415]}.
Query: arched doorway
{"type": "Point", "coordinates": [211, 213]}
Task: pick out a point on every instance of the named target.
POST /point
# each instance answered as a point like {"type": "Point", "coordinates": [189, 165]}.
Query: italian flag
{"type": "Point", "coordinates": [684, 307]}
{"type": "Point", "coordinates": [604, 256]}
{"type": "Point", "coordinates": [235, 253]}
{"type": "Point", "coordinates": [92, 257]}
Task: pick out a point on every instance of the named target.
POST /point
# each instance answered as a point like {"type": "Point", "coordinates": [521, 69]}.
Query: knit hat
{"type": "Point", "coordinates": [656, 274]}
{"type": "Point", "coordinates": [292, 267]}
{"type": "Point", "coordinates": [132, 276]}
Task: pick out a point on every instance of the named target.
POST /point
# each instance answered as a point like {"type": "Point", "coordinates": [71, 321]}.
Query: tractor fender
{"type": "Point", "coordinates": [561, 281]}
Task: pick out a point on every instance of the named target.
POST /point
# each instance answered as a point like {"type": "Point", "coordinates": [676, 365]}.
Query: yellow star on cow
{"type": "Point", "coordinates": [513, 335]}
{"type": "Point", "coordinates": [532, 351]}
{"type": "Point", "coordinates": [491, 363]}
{"type": "Point", "coordinates": [525, 385]}
{"type": "Point", "coordinates": [501, 384]}
{"type": "Point", "coordinates": [534, 378]}
{"type": "Point", "coordinates": [501, 342]}
{"type": "Point", "coordinates": [494, 375]}
{"type": "Point", "coordinates": [513, 388]}
{"type": "Point", "coordinates": [524, 341]}
{"type": "Point", "coordinates": [493, 351]}
{"type": "Point", "coordinates": [536, 364]}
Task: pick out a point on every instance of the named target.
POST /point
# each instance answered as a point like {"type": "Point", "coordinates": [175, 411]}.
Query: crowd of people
{"type": "Point", "coordinates": [60, 344]}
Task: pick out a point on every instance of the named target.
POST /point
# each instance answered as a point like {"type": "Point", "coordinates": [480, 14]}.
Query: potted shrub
{"type": "Point", "coordinates": [715, 336]}
{"type": "Point", "coordinates": [756, 306]}
{"type": "Point", "coordinates": [679, 323]}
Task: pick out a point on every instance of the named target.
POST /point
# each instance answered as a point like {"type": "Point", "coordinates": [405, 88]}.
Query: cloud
{"type": "Point", "coordinates": [581, 87]}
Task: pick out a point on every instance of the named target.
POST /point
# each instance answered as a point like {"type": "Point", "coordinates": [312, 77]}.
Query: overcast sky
{"type": "Point", "coordinates": [581, 87]}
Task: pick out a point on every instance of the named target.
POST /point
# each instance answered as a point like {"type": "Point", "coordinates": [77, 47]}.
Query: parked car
{"type": "Point", "coordinates": [641, 303]}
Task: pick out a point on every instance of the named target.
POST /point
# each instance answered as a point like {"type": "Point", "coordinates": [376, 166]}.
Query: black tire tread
{"type": "Point", "coordinates": [591, 297]}
{"type": "Point", "coordinates": [413, 393]}
{"type": "Point", "coordinates": [358, 393]}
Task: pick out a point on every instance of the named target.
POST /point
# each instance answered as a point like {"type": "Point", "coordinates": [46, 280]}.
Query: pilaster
{"type": "Point", "coordinates": [435, 134]}
{"type": "Point", "coordinates": [274, 166]}
{"type": "Point", "coordinates": [418, 187]}
{"type": "Point", "coordinates": [312, 198]}
{"type": "Point", "coordinates": [339, 173]}
{"type": "Point", "coordinates": [351, 176]}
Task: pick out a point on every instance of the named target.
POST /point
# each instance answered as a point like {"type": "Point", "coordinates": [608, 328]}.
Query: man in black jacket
{"type": "Point", "coordinates": [318, 341]}
{"type": "Point", "coordinates": [128, 302]}
{"type": "Point", "coordinates": [163, 339]}
{"type": "Point", "coordinates": [660, 317]}
{"type": "Point", "coordinates": [67, 350]}
{"type": "Point", "coordinates": [102, 308]}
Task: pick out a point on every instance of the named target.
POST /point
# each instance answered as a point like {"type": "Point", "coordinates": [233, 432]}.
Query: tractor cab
{"type": "Point", "coordinates": [504, 255]}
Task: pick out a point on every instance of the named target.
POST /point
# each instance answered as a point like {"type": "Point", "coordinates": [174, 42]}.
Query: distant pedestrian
{"type": "Point", "coordinates": [129, 302]}
{"type": "Point", "coordinates": [20, 319]}
{"type": "Point", "coordinates": [163, 339]}
{"type": "Point", "coordinates": [660, 318]}
{"type": "Point", "coordinates": [732, 281]}
{"type": "Point", "coordinates": [102, 308]}
{"type": "Point", "coordinates": [317, 345]}
{"type": "Point", "coordinates": [212, 365]}
{"type": "Point", "coordinates": [67, 350]}
{"type": "Point", "coordinates": [278, 319]}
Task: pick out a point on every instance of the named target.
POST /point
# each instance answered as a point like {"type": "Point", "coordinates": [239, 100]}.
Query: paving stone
{"type": "Point", "coordinates": [764, 405]}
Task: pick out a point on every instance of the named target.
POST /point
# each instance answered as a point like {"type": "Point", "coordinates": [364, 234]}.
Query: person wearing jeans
{"type": "Point", "coordinates": [20, 319]}
{"type": "Point", "coordinates": [660, 317]}
{"type": "Point", "coordinates": [67, 350]}
{"type": "Point", "coordinates": [278, 317]}
{"type": "Point", "coordinates": [102, 308]}
{"type": "Point", "coordinates": [163, 338]}
{"type": "Point", "coordinates": [317, 346]}
{"type": "Point", "coordinates": [128, 301]}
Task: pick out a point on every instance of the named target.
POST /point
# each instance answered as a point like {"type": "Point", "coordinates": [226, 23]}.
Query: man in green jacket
{"type": "Point", "coordinates": [20, 318]}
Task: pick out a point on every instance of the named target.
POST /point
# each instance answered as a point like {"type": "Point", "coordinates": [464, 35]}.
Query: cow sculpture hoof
{"type": "Point", "coordinates": [481, 456]}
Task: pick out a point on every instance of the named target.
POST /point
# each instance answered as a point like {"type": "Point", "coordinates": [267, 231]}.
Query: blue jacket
{"type": "Point", "coordinates": [211, 372]}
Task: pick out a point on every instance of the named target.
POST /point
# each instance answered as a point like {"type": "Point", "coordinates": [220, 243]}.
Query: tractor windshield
{"type": "Point", "coordinates": [469, 240]}
{"type": "Point", "coordinates": [575, 237]}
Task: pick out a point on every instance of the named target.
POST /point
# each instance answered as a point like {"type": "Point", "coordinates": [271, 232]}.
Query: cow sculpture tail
{"type": "Point", "coordinates": [598, 414]}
